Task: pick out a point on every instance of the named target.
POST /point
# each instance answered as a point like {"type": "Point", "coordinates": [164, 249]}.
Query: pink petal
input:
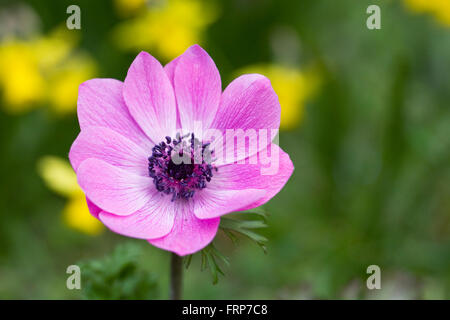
{"type": "Point", "coordinates": [212, 203]}
{"type": "Point", "coordinates": [150, 98]}
{"type": "Point", "coordinates": [243, 176]}
{"type": "Point", "coordinates": [93, 209]}
{"type": "Point", "coordinates": [197, 87]}
{"type": "Point", "coordinates": [109, 146]}
{"type": "Point", "coordinates": [170, 71]}
{"type": "Point", "coordinates": [189, 234]}
{"type": "Point", "coordinates": [154, 220]}
{"type": "Point", "coordinates": [113, 189]}
{"type": "Point", "coordinates": [249, 102]}
{"type": "Point", "coordinates": [101, 104]}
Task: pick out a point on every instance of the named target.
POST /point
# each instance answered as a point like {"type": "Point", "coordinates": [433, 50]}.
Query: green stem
{"type": "Point", "coordinates": [176, 276]}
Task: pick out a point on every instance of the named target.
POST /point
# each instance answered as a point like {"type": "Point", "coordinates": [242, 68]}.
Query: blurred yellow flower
{"type": "Point", "coordinates": [20, 79]}
{"type": "Point", "coordinates": [293, 88]}
{"type": "Point", "coordinates": [44, 69]}
{"type": "Point", "coordinates": [129, 7]}
{"type": "Point", "coordinates": [167, 27]}
{"type": "Point", "coordinates": [439, 8]}
{"type": "Point", "coordinates": [59, 177]}
{"type": "Point", "coordinates": [64, 82]}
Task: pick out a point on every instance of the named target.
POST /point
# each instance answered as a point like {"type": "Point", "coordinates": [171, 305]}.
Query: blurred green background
{"type": "Point", "coordinates": [365, 119]}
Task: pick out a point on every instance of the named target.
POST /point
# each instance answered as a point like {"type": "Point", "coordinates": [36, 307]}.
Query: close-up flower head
{"type": "Point", "coordinates": [143, 168]}
{"type": "Point", "coordinates": [238, 155]}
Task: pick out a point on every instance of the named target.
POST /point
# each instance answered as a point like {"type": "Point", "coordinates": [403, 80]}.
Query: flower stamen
{"type": "Point", "coordinates": [180, 166]}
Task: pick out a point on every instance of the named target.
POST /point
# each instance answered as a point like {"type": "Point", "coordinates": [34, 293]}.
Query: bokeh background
{"type": "Point", "coordinates": [365, 119]}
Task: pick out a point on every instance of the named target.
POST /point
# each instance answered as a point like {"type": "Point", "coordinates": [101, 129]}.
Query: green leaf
{"type": "Point", "coordinates": [210, 255]}
{"type": "Point", "coordinates": [260, 211]}
{"type": "Point", "coordinates": [231, 236]}
{"type": "Point", "coordinates": [187, 261]}
{"type": "Point", "coordinates": [244, 225]}
{"type": "Point", "coordinates": [117, 276]}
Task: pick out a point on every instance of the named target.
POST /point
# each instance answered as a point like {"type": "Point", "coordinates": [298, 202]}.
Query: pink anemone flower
{"type": "Point", "coordinates": [124, 154]}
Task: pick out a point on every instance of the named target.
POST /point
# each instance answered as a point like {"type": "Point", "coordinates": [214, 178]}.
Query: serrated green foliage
{"type": "Point", "coordinates": [210, 256]}
{"type": "Point", "coordinates": [260, 211]}
{"type": "Point", "coordinates": [244, 224]}
{"type": "Point", "coordinates": [117, 276]}
{"type": "Point", "coordinates": [187, 261]}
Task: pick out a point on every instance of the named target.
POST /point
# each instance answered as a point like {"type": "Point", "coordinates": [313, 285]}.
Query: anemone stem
{"type": "Point", "coordinates": [176, 277]}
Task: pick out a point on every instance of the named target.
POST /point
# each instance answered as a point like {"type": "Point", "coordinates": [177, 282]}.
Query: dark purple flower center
{"type": "Point", "coordinates": [180, 166]}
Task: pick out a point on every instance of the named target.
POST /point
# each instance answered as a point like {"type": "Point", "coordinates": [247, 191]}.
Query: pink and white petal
{"type": "Point", "coordinates": [197, 87]}
{"type": "Point", "coordinates": [189, 234]}
{"type": "Point", "coordinates": [170, 71]}
{"type": "Point", "coordinates": [101, 104]}
{"type": "Point", "coordinates": [109, 146]}
{"type": "Point", "coordinates": [268, 173]}
{"type": "Point", "coordinates": [149, 96]}
{"type": "Point", "coordinates": [213, 203]}
{"type": "Point", "coordinates": [169, 68]}
{"type": "Point", "coordinates": [113, 189]}
{"type": "Point", "coordinates": [154, 220]}
{"type": "Point", "coordinates": [93, 209]}
{"type": "Point", "coordinates": [249, 104]}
